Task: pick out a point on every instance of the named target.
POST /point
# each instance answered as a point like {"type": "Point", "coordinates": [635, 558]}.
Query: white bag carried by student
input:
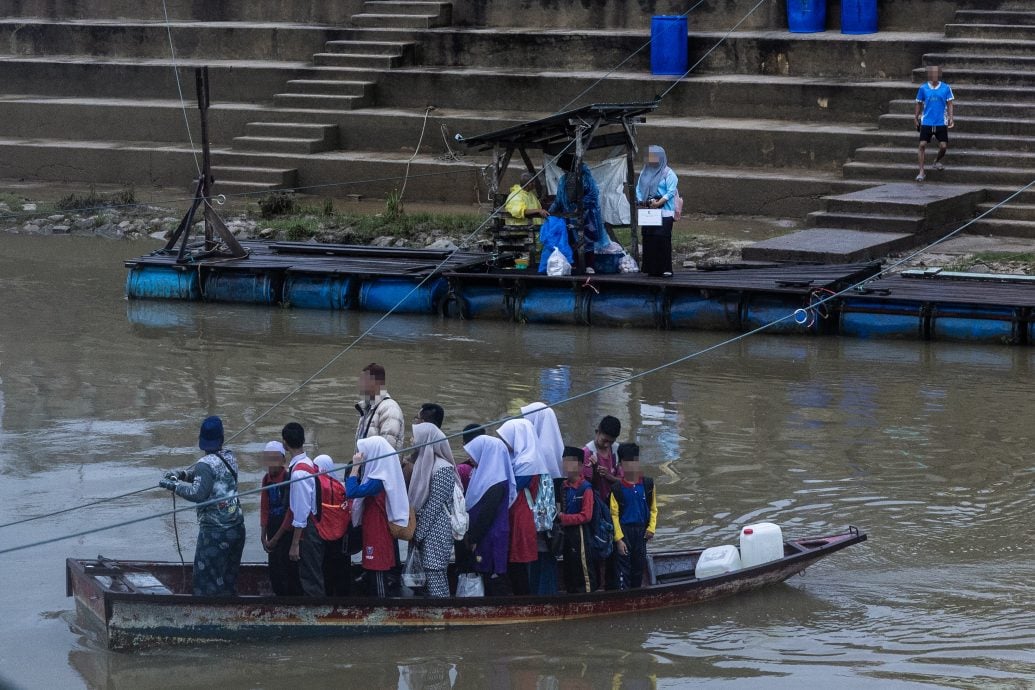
{"type": "Point", "coordinates": [557, 265]}
{"type": "Point", "coordinates": [413, 572]}
{"type": "Point", "coordinates": [470, 585]}
{"type": "Point", "coordinates": [458, 518]}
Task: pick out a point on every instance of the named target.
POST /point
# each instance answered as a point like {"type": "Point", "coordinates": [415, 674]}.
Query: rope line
{"type": "Point", "coordinates": [621, 64]}
{"type": "Point", "coordinates": [179, 87]}
{"type": "Point", "coordinates": [718, 43]}
{"type": "Point", "coordinates": [578, 396]}
{"type": "Point", "coordinates": [416, 152]}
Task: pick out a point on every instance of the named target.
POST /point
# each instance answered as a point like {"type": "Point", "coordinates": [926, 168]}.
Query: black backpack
{"type": "Point", "coordinates": [603, 528]}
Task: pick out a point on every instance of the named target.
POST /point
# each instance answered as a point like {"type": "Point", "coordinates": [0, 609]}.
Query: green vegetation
{"type": "Point", "coordinates": [997, 262]}
{"type": "Point", "coordinates": [353, 227]}
{"type": "Point", "coordinates": [93, 199]}
{"type": "Point", "coordinates": [278, 204]}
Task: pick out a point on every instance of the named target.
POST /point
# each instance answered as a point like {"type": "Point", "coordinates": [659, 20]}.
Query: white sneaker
{"type": "Point", "coordinates": [921, 177]}
{"type": "Point", "coordinates": [939, 166]}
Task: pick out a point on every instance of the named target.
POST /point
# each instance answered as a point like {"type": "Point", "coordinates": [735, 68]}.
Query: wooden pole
{"type": "Point", "coordinates": [201, 77]}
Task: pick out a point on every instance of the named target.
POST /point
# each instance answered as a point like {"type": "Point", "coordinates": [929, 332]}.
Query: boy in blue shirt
{"type": "Point", "coordinates": [933, 116]}
{"type": "Point", "coordinates": [634, 510]}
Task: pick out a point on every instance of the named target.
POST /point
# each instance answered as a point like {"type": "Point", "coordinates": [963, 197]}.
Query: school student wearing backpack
{"type": "Point", "coordinates": [634, 511]}
{"type": "Point", "coordinates": [212, 481]}
{"type": "Point", "coordinates": [275, 521]}
{"type": "Point", "coordinates": [307, 548]}
{"type": "Point", "coordinates": [332, 524]}
{"type": "Point", "coordinates": [577, 501]}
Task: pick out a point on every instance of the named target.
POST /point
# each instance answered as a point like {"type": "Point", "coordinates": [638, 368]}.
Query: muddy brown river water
{"type": "Point", "coordinates": [926, 447]}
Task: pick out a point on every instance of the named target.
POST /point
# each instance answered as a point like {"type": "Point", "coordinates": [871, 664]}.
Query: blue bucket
{"type": "Point", "coordinates": [669, 47]}
{"type": "Point", "coordinates": [806, 16]}
{"type": "Point", "coordinates": [858, 17]}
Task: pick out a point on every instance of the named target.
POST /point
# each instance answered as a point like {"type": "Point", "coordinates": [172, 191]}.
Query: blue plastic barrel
{"type": "Point", "coordinates": [713, 313]}
{"type": "Point", "coordinates": [484, 302]}
{"type": "Point", "coordinates": [163, 282]}
{"type": "Point", "coordinates": [858, 17]}
{"type": "Point", "coordinates": [866, 318]}
{"type": "Point", "coordinates": [551, 305]}
{"type": "Point", "coordinates": [806, 16]}
{"type": "Point", "coordinates": [243, 287]}
{"type": "Point", "coordinates": [669, 47]}
{"type": "Point", "coordinates": [402, 295]}
{"type": "Point", "coordinates": [639, 308]}
{"type": "Point", "coordinates": [306, 291]}
{"type": "Point", "coordinates": [975, 324]}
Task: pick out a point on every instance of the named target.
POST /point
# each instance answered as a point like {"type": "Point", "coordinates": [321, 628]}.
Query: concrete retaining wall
{"type": "Point", "coordinates": [895, 15]}
{"type": "Point", "coordinates": [301, 11]}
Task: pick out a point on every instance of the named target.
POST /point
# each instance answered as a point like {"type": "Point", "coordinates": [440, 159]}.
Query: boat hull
{"type": "Point", "coordinates": [129, 620]}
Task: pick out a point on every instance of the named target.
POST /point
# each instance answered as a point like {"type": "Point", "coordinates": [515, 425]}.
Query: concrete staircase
{"type": "Point", "coordinates": [347, 79]}
{"type": "Point", "coordinates": [872, 223]}
{"type": "Point", "coordinates": [988, 59]}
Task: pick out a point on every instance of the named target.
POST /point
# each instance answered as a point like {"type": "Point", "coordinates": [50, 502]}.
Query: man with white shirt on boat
{"type": "Point", "coordinates": [306, 545]}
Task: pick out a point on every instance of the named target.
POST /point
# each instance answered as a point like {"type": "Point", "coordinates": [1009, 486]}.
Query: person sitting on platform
{"type": "Point", "coordinates": [567, 203]}
{"type": "Point", "coordinates": [634, 509]}
{"type": "Point", "coordinates": [379, 491]}
{"type": "Point", "coordinates": [658, 188]}
{"type": "Point", "coordinates": [522, 206]}
{"type": "Point", "coordinates": [576, 516]}
{"type": "Point", "coordinates": [275, 521]}
{"type": "Point", "coordinates": [212, 480]}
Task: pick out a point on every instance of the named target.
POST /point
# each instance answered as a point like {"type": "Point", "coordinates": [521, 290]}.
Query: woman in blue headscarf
{"type": "Point", "coordinates": [567, 201]}
{"type": "Point", "coordinates": [658, 188]}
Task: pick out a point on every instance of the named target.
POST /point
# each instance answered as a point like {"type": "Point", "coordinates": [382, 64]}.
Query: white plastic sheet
{"type": "Point", "coordinates": [610, 176]}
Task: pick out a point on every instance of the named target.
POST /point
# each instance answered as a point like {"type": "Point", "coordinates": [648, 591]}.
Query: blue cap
{"type": "Point", "coordinates": [211, 436]}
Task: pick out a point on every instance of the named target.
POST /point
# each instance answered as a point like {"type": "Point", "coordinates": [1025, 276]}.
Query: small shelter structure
{"type": "Point", "coordinates": [575, 132]}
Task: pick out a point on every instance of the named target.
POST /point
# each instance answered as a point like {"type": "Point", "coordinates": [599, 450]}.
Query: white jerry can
{"type": "Point", "coordinates": [760, 544]}
{"type": "Point", "coordinates": [717, 560]}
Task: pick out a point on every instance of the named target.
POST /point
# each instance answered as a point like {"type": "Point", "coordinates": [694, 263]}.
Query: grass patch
{"type": "Point", "coordinates": [92, 199]}
{"type": "Point", "coordinates": [356, 227]}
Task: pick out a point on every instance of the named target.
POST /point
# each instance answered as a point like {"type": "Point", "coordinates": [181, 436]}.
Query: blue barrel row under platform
{"type": "Point", "coordinates": [297, 290]}
{"type": "Point", "coordinates": [627, 306]}
{"type": "Point", "coordinates": [905, 320]}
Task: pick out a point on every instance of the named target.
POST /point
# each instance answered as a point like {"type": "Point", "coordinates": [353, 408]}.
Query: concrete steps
{"type": "Point", "coordinates": [273, 177]}
{"type": "Point", "coordinates": [360, 60]}
{"type": "Point", "coordinates": [319, 101]}
{"type": "Point", "coordinates": [1022, 212]}
{"type": "Point", "coordinates": [966, 157]}
{"type": "Point", "coordinates": [370, 47]}
{"type": "Point", "coordinates": [299, 145]}
{"type": "Point", "coordinates": [337, 87]}
{"type": "Point", "coordinates": [985, 109]}
{"type": "Point", "coordinates": [952, 62]}
{"type": "Point", "coordinates": [1002, 228]}
{"type": "Point", "coordinates": [982, 76]}
{"type": "Point", "coordinates": [871, 223]}
{"type": "Point", "coordinates": [995, 17]}
{"type": "Point", "coordinates": [1004, 32]}
{"type": "Point", "coordinates": [399, 21]}
{"type": "Point", "coordinates": [971, 125]}
{"type": "Point", "coordinates": [953, 174]}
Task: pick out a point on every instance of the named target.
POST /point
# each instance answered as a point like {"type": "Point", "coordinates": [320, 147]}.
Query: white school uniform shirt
{"type": "Point", "coordinates": [303, 493]}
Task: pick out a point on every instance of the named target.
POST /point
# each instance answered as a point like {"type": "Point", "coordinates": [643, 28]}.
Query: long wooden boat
{"type": "Point", "coordinates": [139, 603]}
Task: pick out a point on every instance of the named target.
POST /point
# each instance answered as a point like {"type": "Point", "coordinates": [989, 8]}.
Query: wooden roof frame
{"type": "Point", "coordinates": [591, 127]}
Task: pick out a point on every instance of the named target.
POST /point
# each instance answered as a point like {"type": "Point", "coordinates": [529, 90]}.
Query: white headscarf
{"type": "Point", "coordinates": [382, 462]}
{"type": "Point", "coordinates": [524, 444]}
{"type": "Point", "coordinates": [430, 459]}
{"type": "Point", "coordinates": [493, 466]}
{"type": "Point", "coordinates": [275, 447]}
{"type": "Point", "coordinates": [324, 463]}
{"type": "Point", "coordinates": [551, 445]}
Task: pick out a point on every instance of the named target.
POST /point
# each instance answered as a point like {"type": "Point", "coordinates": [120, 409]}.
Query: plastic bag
{"type": "Point", "coordinates": [627, 264]}
{"type": "Point", "coordinates": [470, 585]}
{"type": "Point", "coordinates": [679, 207]}
{"type": "Point", "coordinates": [413, 572]}
{"type": "Point", "coordinates": [458, 518]}
{"type": "Point", "coordinates": [557, 265]}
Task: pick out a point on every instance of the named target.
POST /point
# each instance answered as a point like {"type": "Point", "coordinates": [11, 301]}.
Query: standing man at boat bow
{"type": "Point", "coordinates": [217, 557]}
{"type": "Point", "coordinates": [379, 414]}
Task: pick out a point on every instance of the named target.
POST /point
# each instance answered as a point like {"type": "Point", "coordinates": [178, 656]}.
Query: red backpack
{"type": "Point", "coordinates": [333, 511]}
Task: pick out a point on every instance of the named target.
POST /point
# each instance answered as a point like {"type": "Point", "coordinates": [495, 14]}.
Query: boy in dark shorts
{"type": "Point", "coordinates": [634, 509]}
{"type": "Point", "coordinates": [933, 116]}
{"type": "Point", "coordinates": [576, 518]}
